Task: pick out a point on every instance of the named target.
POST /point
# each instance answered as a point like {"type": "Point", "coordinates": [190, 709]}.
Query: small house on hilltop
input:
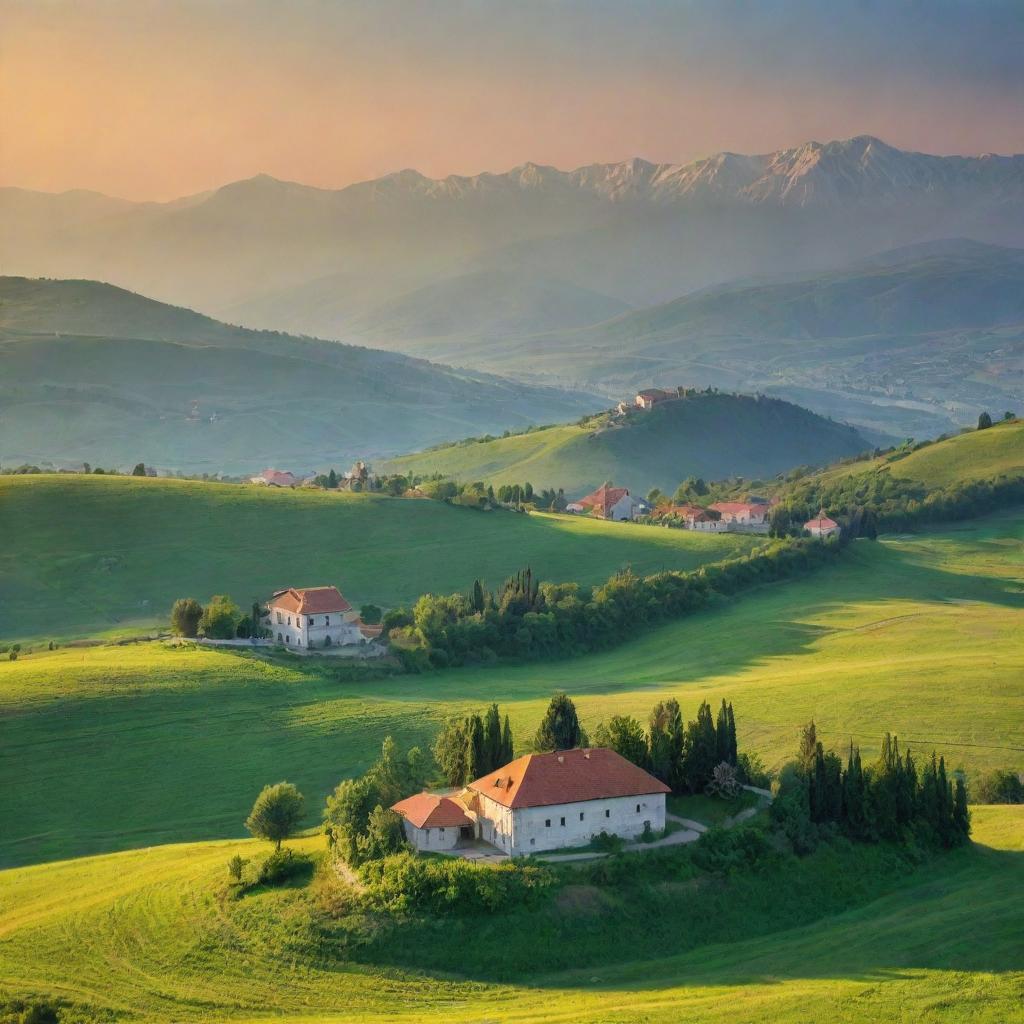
{"type": "Point", "coordinates": [822, 526]}
{"type": "Point", "coordinates": [650, 397]}
{"type": "Point", "coordinates": [274, 478]}
{"type": "Point", "coordinates": [541, 802]}
{"type": "Point", "coordinates": [609, 502]}
{"type": "Point", "coordinates": [743, 513]}
{"type": "Point", "coordinates": [312, 617]}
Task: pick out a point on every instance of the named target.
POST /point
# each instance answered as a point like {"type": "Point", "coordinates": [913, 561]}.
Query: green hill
{"type": "Point", "coordinates": [707, 435]}
{"type": "Point", "coordinates": [124, 746]}
{"type": "Point", "coordinates": [144, 936]}
{"type": "Point", "coordinates": [89, 372]}
{"type": "Point", "coordinates": [105, 553]}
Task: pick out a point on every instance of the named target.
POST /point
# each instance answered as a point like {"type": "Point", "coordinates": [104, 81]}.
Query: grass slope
{"type": "Point", "coordinates": [975, 455]}
{"type": "Point", "coordinates": [143, 935]}
{"type": "Point", "coordinates": [98, 553]}
{"type": "Point", "coordinates": [707, 435]}
{"type": "Point", "coordinates": [115, 747]}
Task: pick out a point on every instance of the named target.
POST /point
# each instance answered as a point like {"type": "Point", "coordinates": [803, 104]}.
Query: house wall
{"type": "Point", "coordinates": [312, 630]}
{"type": "Point", "coordinates": [436, 838]}
{"type": "Point", "coordinates": [622, 509]}
{"type": "Point", "coordinates": [524, 830]}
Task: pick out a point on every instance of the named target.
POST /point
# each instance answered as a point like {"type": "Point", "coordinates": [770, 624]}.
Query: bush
{"type": "Point", "coordinates": [1000, 786]}
{"type": "Point", "coordinates": [282, 865]}
{"type": "Point", "coordinates": [406, 882]}
{"type": "Point", "coordinates": [608, 842]}
{"type": "Point", "coordinates": [185, 616]}
{"type": "Point", "coordinates": [724, 851]}
{"type": "Point", "coordinates": [751, 771]}
{"type": "Point", "coordinates": [220, 618]}
{"type": "Point", "coordinates": [235, 866]}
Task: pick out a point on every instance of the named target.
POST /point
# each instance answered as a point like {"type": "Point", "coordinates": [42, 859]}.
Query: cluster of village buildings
{"type": "Point", "coordinates": [358, 474]}
{"type": "Point", "coordinates": [540, 802]}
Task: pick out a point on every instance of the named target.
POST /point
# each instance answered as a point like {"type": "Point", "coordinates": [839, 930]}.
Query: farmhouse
{"type": "Point", "coordinates": [314, 617]}
{"type": "Point", "coordinates": [433, 822]}
{"type": "Point", "coordinates": [821, 526]}
{"type": "Point", "coordinates": [274, 478]}
{"type": "Point", "coordinates": [609, 502]}
{"type": "Point", "coordinates": [650, 397]}
{"type": "Point", "coordinates": [542, 802]}
{"type": "Point", "coordinates": [695, 518]}
{"type": "Point", "coordinates": [742, 513]}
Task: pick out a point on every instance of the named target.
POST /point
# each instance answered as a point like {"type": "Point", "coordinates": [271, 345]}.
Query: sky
{"type": "Point", "coordinates": [152, 99]}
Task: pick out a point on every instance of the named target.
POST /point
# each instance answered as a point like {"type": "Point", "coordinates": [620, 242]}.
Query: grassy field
{"type": "Point", "coordinates": [145, 936]}
{"type": "Point", "coordinates": [116, 747]}
{"type": "Point", "coordinates": [98, 554]}
{"type": "Point", "coordinates": [975, 455]}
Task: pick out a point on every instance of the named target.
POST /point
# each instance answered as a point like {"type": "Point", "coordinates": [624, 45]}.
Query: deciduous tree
{"type": "Point", "coordinates": [276, 813]}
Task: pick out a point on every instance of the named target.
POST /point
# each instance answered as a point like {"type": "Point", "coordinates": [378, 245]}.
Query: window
{"type": "Point", "coordinates": [287, 638]}
{"type": "Point", "coordinates": [289, 620]}
{"type": "Point", "coordinates": [547, 823]}
{"type": "Point", "coordinates": [311, 620]}
{"type": "Point", "coordinates": [533, 842]}
{"type": "Point", "coordinates": [280, 618]}
{"type": "Point", "coordinates": [607, 813]}
{"type": "Point", "coordinates": [581, 815]}
{"type": "Point", "coordinates": [637, 808]}
{"type": "Point", "coordinates": [279, 638]}
{"type": "Point", "coordinates": [442, 830]}
{"type": "Point", "coordinates": [563, 823]}
{"type": "Point", "coordinates": [327, 620]}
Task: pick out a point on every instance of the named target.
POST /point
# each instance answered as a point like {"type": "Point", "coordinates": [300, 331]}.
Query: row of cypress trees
{"type": "Point", "coordinates": [892, 799]}
{"type": "Point", "coordinates": [471, 746]}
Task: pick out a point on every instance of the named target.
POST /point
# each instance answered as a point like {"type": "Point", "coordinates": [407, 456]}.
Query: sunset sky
{"type": "Point", "coordinates": [153, 100]}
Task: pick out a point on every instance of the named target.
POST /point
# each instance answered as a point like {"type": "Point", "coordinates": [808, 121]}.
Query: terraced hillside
{"type": "Point", "coordinates": [111, 554]}
{"type": "Point", "coordinates": [144, 936]}
{"type": "Point", "coordinates": [706, 435]}
{"type": "Point", "coordinates": [117, 747]}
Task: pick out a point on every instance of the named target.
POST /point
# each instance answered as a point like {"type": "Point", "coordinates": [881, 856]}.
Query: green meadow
{"type": "Point", "coordinates": [88, 555]}
{"type": "Point", "coordinates": [109, 748]}
{"type": "Point", "coordinates": [147, 936]}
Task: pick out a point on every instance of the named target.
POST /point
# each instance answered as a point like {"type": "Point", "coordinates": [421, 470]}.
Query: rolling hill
{"type": "Point", "coordinates": [111, 554]}
{"type": "Point", "coordinates": [94, 373]}
{"type": "Point", "coordinates": [143, 936]}
{"type": "Point", "coordinates": [706, 435]}
{"type": "Point", "coordinates": [921, 635]}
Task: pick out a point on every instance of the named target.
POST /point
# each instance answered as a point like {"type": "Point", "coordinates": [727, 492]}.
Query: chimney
{"type": "Point", "coordinates": [586, 754]}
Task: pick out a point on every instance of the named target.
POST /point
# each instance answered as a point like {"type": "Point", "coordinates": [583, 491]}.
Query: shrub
{"type": "Point", "coordinates": [751, 771]}
{"type": "Point", "coordinates": [608, 842]}
{"type": "Point", "coordinates": [724, 851]}
{"type": "Point", "coordinates": [235, 866]}
{"type": "Point", "coordinates": [12, 655]}
{"type": "Point", "coordinates": [406, 882]}
{"type": "Point", "coordinates": [282, 865]}
{"type": "Point", "coordinates": [220, 618]}
{"type": "Point", "coordinates": [185, 616]}
{"type": "Point", "coordinates": [1000, 786]}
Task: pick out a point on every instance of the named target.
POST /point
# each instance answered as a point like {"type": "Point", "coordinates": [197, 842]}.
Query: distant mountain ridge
{"type": "Point", "coordinates": [90, 372]}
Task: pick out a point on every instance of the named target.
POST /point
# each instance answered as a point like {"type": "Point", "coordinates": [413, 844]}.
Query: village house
{"type": "Point", "coordinates": [695, 518]}
{"type": "Point", "coordinates": [541, 802]}
{"type": "Point", "coordinates": [743, 513]}
{"type": "Point", "coordinates": [822, 526]}
{"type": "Point", "coordinates": [274, 478]}
{"type": "Point", "coordinates": [313, 617]}
{"type": "Point", "coordinates": [609, 502]}
{"type": "Point", "coordinates": [650, 397]}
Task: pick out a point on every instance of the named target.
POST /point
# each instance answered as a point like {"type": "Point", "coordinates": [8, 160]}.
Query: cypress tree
{"type": "Point", "coordinates": [506, 743]}
{"type": "Point", "coordinates": [560, 728]}
{"type": "Point", "coordinates": [492, 740]}
{"type": "Point", "coordinates": [478, 596]}
{"type": "Point", "coordinates": [722, 734]}
{"type": "Point", "coordinates": [734, 750]}
{"type": "Point", "coordinates": [808, 748]}
{"type": "Point", "coordinates": [961, 815]}
{"type": "Point", "coordinates": [476, 749]}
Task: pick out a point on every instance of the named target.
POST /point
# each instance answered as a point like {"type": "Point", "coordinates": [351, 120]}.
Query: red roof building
{"type": "Point", "coordinates": [822, 526]}
{"type": "Point", "coordinates": [650, 397]}
{"type": "Point", "coordinates": [428, 810]}
{"type": "Point", "coordinates": [566, 777]}
{"type": "Point", "coordinates": [608, 502]}
{"type": "Point", "coordinates": [310, 600]}
{"type": "Point", "coordinates": [742, 511]}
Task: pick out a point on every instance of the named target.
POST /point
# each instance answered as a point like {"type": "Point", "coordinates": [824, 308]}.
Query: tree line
{"type": "Point", "coordinates": [892, 799]}
{"type": "Point", "coordinates": [526, 619]}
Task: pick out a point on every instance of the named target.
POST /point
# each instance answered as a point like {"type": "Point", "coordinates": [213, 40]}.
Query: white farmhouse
{"type": "Point", "coordinates": [433, 822]}
{"type": "Point", "coordinates": [607, 502]}
{"type": "Point", "coordinates": [314, 617]}
{"type": "Point", "coordinates": [542, 802]}
{"type": "Point", "coordinates": [743, 513]}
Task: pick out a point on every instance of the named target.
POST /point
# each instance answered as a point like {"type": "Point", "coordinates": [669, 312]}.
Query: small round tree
{"type": "Point", "coordinates": [560, 729]}
{"type": "Point", "coordinates": [185, 616]}
{"type": "Point", "coordinates": [276, 813]}
{"type": "Point", "coordinates": [984, 421]}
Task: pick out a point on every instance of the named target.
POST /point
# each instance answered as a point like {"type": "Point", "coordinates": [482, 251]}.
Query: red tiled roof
{"type": "Point", "coordinates": [310, 600]}
{"type": "Point", "coordinates": [604, 498]}
{"type": "Point", "coordinates": [739, 506]}
{"type": "Point", "coordinates": [566, 777]}
{"type": "Point", "coordinates": [685, 511]}
{"type": "Point", "coordinates": [275, 476]}
{"type": "Point", "coordinates": [655, 393]}
{"type": "Point", "coordinates": [428, 810]}
{"type": "Point", "coordinates": [821, 522]}
{"type": "Point", "coordinates": [370, 632]}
